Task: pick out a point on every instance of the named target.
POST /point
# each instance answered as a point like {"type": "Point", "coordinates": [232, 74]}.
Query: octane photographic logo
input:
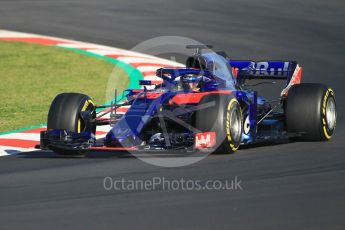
{"type": "Point", "coordinates": [166, 184]}
{"type": "Point", "coordinates": [134, 126]}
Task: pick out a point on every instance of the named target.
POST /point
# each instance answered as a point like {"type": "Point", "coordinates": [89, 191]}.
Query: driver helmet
{"type": "Point", "coordinates": [189, 82]}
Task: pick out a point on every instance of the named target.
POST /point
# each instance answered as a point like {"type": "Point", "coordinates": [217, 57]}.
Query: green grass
{"type": "Point", "coordinates": [32, 75]}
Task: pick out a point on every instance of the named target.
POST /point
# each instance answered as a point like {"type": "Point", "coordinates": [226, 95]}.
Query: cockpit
{"type": "Point", "coordinates": [215, 64]}
{"type": "Point", "coordinates": [204, 72]}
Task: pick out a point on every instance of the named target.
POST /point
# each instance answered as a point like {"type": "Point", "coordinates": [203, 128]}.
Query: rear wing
{"type": "Point", "coordinates": [277, 70]}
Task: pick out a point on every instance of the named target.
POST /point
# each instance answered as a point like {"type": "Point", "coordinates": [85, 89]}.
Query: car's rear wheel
{"type": "Point", "coordinates": [71, 112]}
{"type": "Point", "coordinates": [222, 114]}
{"type": "Point", "coordinates": [311, 111]}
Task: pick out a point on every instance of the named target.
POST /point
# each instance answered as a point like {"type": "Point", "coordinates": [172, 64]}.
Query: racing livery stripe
{"type": "Point", "coordinates": [24, 140]}
{"type": "Point", "coordinates": [194, 98]}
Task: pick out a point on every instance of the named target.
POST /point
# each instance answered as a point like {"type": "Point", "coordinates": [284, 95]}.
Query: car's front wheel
{"type": "Point", "coordinates": [221, 114]}
{"type": "Point", "coordinates": [71, 112]}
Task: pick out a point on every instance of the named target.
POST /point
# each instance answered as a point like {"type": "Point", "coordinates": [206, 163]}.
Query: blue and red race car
{"type": "Point", "coordinates": [205, 106]}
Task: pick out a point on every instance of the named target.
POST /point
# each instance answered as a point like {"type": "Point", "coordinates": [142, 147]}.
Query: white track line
{"type": "Point", "coordinates": [134, 60]}
{"type": "Point", "coordinates": [153, 78]}
{"type": "Point", "coordinates": [22, 136]}
{"type": "Point", "coordinates": [147, 68]}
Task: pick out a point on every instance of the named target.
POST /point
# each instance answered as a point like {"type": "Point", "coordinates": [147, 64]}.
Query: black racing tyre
{"type": "Point", "coordinates": [311, 111]}
{"type": "Point", "coordinates": [221, 114]}
{"type": "Point", "coordinates": [71, 112]}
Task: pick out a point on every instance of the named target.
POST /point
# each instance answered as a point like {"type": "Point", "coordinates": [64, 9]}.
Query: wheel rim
{"type": "Point", "coordinates": [331, 114]}
{"type": "Point", "coordinates": [235, 124]}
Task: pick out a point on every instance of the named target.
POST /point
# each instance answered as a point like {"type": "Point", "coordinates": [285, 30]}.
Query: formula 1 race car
{"type": "Point", "coordinates": [206, 106]}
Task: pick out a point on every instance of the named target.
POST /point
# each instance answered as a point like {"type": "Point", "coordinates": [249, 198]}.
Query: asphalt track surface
{"type": "Point", "coordinates": [289, 186]}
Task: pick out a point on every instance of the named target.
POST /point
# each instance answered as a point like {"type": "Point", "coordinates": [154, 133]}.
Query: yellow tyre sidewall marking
{"type": "Point", "coordinates": [228, 129]}
{"type": "Point", "coordinates": [85, 106]}
{"type": "Point", "coordinates": [324, 123]}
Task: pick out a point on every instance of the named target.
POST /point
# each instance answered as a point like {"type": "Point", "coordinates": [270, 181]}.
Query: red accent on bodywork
{"type": "Point", "coordinates": [119, 110]}
{"type": "Point", "coordinates": [235, 71]}
{"type": "Point", "coordinates": [194, 98]}
{"type": "Point", "coordinates": [101, 133]}
{"type": "Point", "coordinates": [156, 82]}
{"type": "Point", "coordinates": [151, 95]}
{"type": "Point", "coordinates": [205, 140]}
{"type": "Point", "coordinates": [137, 90]}
{"type": "Point", "coordinates": [295, 80]}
